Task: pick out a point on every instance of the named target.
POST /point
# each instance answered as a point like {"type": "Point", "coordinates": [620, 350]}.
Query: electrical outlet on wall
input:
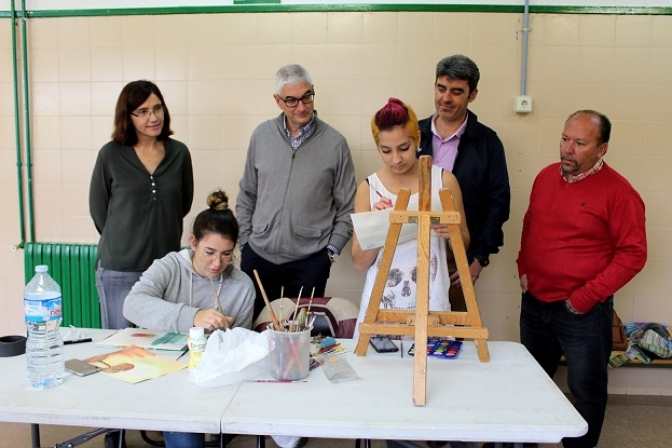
{"type": "Point", "coordinates": [523, 104]}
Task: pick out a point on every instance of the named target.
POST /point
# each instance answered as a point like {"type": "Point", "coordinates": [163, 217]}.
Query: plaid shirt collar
{"type": "Point", "coordinates": [597, 167]}
{"type": "Point", "coordinates": [304, 132]}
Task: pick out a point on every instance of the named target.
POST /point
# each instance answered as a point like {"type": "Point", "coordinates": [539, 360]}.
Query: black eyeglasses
{"type": "Point", "coordinates": [144, 114]}
{"type": "Point", "coordinates": [292, 102]}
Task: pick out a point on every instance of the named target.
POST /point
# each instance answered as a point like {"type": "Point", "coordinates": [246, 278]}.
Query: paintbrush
{"type": "Point", "coordinates": [296, 309]}
{"type": "Point", "coordinates": [276, 324]}
{"type": "Point", "coordinates": [282, 313]}
{"type": "Point", "coordinates": [311, 299]}
{"type": "Point", "coordinates": [308, 321]}
{"type": "Point", "coordinates": [302, 318]}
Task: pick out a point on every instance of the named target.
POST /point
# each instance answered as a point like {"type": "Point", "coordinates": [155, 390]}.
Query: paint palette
{"type": "Point", "coordinates": [440, 348]}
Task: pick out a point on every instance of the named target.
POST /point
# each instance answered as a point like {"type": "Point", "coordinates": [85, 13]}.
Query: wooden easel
{"type": "Point", "coordinates": [421, 323]}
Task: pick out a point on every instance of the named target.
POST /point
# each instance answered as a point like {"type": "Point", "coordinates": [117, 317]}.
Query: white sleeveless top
{"type": "Point", "coordinates": [400, 287]}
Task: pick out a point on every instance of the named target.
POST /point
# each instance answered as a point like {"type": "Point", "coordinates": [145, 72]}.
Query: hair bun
{"type": "Point", "coordinates": [218, 201]}
{"type": "Point", "coordinates": [394, 113]}
{"type": "Point", "coordinates": [397, 101]}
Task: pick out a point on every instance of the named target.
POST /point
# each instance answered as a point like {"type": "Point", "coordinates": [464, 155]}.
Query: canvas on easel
{"type": "Point", "coordinates": [421, 323]}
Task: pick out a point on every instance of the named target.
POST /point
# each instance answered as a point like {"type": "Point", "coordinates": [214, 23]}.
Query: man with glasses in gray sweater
{"type": "Point", "coordinates": [296, 194]}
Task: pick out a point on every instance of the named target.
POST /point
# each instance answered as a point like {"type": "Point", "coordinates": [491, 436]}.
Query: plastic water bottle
{"type": "Point", "coordinates": [44, 349]}
{"type": "Point", "coordinates": [197, 342]}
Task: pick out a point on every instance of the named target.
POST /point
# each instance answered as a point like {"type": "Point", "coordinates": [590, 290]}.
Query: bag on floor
{"type": "Point", "coordinates": [620, 340]}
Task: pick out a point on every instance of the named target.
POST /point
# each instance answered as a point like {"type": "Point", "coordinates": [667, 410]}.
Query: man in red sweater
{"type": "Point", "coordinates": [583, 238]}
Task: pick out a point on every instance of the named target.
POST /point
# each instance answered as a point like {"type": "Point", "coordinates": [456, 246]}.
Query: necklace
{"type": "Point", "coordinates": [218, 303]}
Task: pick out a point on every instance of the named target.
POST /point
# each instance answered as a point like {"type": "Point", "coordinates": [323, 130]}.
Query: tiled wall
{"type": "Point", "coordinates": [216, 72]}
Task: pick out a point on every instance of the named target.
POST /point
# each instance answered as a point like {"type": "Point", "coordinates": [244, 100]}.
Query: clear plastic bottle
{"type": "Point", "coordinates": [197, 342]}
{"type": "Point", "coordinates": [44, 349]}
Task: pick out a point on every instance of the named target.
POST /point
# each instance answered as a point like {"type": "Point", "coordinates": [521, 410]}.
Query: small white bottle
{"type": "Point", "coordinates": [197, 342]}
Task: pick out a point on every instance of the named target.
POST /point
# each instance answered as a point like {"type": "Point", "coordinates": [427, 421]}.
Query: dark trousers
{"type": "Point", "coordinates": [183, 440]}
{"type": "Point", "coordinates": [549, 330]}
{"type": "Point", "coordinates": [309, 273]}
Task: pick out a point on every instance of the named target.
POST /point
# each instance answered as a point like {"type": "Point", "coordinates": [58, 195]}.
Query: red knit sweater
{"type": "Point", "coordinates": [582, 240]}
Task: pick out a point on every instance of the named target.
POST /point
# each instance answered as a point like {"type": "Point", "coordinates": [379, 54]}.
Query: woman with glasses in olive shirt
{"type": "Point", "coordinates": [141, 189]}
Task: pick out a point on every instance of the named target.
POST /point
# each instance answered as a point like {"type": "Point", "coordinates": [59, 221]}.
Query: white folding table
{"type": "Point", "coordinates": [509, 398]}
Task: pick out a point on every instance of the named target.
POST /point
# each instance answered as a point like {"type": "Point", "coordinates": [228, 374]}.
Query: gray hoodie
{"type": "Point", "coordinates": [170, 292]}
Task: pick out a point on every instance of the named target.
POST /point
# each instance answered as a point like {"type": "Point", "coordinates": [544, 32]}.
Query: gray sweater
{"type": "Point", "coordinates": [161, 299]}
{"type": "Point", "coordinates": [291, 204]}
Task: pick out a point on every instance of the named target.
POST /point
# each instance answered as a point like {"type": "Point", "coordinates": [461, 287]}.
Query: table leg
{"type": "Point", "coordinates": [35, 435]}
{"type": "Point", "coordinates": [122, 433]}
{"type": "Point", "coordinates": [261, 441]}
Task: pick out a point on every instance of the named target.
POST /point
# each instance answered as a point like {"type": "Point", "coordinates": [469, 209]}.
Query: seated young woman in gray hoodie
{"type": "Point", "coordinates": [196, 287]}
{"type": "Point", "coordinates": [199, 286]}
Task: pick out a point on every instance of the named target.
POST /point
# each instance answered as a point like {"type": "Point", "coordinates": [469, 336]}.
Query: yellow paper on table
{"type": "Point", "coordinates": [134, 364]}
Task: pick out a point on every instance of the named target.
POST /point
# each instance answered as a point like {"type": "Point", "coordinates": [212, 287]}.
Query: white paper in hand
{"type": "Point", "coordinates": [371, 227]}
{"type": "Point", "coordinates": [232, 356]}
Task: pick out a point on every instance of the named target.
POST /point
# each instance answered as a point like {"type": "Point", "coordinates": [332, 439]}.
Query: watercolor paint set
{"type": "Point", "coordinates": [441, 348]}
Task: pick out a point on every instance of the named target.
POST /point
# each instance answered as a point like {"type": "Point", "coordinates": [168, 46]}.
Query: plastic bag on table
{"type": "Point", "coordinates": [338, 369]}
{"type": "Point", "coordinates": [232, 356]}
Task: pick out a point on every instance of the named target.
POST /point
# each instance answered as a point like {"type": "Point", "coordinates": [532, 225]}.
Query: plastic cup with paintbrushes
{"type": "Point", "coordinates": [297, 366]}
{"type": "Point", "coordinates": [274, 331]}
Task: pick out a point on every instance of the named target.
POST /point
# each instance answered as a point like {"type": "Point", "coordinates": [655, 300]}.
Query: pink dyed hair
{"type": "Point", "coordinates": [395, 113]}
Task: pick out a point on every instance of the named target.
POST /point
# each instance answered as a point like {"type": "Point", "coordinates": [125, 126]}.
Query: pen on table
{"type": "Point", "coordinates": [77, 341]}
{"type": "Point", "coordinates": [275, 381]}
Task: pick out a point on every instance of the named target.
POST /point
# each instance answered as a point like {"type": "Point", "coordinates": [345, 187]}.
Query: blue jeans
{"type": "Point", "coordinates": [113, 287]}
{"type": "Point", "coordinates": [183, 440]}
{"type": "Point", "coordinates": [549, 330]}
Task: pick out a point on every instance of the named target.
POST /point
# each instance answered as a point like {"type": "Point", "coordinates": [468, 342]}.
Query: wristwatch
{"type": "Point", "coordinates": [333, 255]}
{"type": "Point", "coordinates": [483, 260]}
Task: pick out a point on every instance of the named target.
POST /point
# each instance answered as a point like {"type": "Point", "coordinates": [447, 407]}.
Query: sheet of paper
{"type": "Point", "coordinates": [371, 227]}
